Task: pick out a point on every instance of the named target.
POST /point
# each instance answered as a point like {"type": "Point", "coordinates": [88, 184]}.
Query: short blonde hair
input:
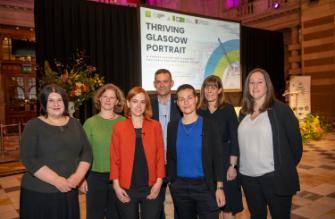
{"type": "Point", "coordinates": [118, 108]}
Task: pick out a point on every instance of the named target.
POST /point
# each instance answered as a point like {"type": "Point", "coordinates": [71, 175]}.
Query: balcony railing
{"type": "Point", "coordinates": [259, 8]}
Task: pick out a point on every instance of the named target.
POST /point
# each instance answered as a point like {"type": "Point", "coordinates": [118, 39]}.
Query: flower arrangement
{"type": "Point", "coordinates": [312, 127]}
{"type": "Point", "coordinates": [78, 79]}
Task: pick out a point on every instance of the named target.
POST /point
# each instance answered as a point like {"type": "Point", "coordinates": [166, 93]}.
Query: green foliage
{"type": "Point", "coordinates": [312, 128]}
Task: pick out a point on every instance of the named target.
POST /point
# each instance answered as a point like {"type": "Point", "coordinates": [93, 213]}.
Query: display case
{"type": "Point", "coordinates": [19, 80]}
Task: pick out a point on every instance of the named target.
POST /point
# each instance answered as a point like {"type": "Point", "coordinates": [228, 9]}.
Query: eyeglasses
{"type": "Point", "coordinates": [108, 98]}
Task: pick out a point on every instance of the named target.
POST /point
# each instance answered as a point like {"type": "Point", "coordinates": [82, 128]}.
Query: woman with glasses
{"type": "Point", "coordinates": [213, 106]}
{"type": "Point", "coordinates": [100, 197]}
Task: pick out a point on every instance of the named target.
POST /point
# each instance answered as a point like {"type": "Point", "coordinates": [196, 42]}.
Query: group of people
{"type": "Point", "coordinates": [126, 156]}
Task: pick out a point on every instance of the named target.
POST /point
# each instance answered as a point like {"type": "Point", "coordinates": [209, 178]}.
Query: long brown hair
{"type": "Point", "coordinates": [134, 91]}
{"type": "Point", "coordinates": [215, 81]}
{"type": "Point", "coordinates": [248, 101]}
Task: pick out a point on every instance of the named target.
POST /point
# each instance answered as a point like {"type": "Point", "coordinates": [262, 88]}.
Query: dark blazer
{"type": "Point", "coordinates": [174, 111]}
{"type": "Point", "coordinates": [212, 151]}
{"type": "Point", "coordinates": [287, 148]}
{"type": "Point", "coordinates": [226, 120]}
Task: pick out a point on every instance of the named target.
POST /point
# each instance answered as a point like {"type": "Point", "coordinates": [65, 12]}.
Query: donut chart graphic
{"type": "Point", "coordinates": [225, 58]}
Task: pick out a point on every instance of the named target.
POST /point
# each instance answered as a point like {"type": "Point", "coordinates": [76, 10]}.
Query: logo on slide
{"type": "Point", "coordinates": [225, 60]}
{"type": "Point", "coordinates": [147, 13]}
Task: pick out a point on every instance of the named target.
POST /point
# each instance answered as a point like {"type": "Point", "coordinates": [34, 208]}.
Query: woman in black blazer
{"type": "Point", "coordinates": [214, 106]}
{"type": "Point", "coordinates": [270, 149]}
{"type": "Point", "coordinates": [194, 164]}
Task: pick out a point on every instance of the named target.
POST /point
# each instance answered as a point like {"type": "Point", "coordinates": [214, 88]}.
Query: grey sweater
{"type": "Point", "coordinates": [61, 148]}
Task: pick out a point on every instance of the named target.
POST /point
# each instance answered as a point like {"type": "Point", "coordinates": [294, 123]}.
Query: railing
{"type": "Point", "coordinates": [257, 8]}
{"type": "Point", "coordinates": [10, 136]}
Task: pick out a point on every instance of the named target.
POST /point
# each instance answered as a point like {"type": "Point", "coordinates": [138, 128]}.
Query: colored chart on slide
{"type": "Point", "coordinates": [225, 62]}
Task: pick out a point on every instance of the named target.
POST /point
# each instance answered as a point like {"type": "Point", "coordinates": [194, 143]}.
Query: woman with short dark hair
{"type": "Point", "coordinates": [56, 153]}
{"type": "Point", "coordinates": [194, 161]}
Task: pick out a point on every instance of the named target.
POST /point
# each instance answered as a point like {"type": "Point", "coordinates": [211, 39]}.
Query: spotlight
{"type": "Point", "coordinates": [275, 5]}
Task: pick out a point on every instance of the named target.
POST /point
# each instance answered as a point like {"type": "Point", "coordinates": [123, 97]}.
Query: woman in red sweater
{"type": "Point", "coordinates": [137, 159]}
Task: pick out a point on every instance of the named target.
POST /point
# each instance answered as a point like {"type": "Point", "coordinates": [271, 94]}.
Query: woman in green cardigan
{"type": "Point", "coordinates": [100, 197]}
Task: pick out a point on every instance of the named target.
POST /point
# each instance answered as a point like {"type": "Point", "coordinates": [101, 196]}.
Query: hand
{"type": "Point", "coordinates": [74, 180]}
{"type": "Point", "coordinates": [121, 194]}
{"type": "Point", "coordinates": [231, 173]}
{"type": "Point", "coordinates": [154, 192]}
{"type": "Point", "coordinates": [83, 187]}
{"type": "Point", "coordinates": [220, 198]}
{"type": "Point", "coordinates": [62, 184]}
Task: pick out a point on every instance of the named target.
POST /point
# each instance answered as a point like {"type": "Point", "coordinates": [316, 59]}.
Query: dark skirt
{"type": "Point", "coordinates": [37, 205]}
{"type": "Point", "coordinates": [232, 190]}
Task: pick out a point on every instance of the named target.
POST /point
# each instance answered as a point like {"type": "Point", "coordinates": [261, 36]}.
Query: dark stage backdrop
{"type": "Point", "coordinates": [264, 49]}
{"type": "Point", "coordinates": [109, 34]}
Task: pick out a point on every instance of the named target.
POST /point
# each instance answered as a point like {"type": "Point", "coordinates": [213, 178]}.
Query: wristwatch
{"type": "Point", "coordinates": [219, 188]}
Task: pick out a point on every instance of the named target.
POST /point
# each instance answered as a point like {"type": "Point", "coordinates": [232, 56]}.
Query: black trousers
{"type": "Point", "coordinates": [162, 193]}
{"type": "Point", "coordinates": [193, 199]}
{"type": "Point", "coordinates": [259, 193]}
{"type": "Point", "coordinates": [100, 198]}
{"type": "Point", "coordinates": [150, 209]}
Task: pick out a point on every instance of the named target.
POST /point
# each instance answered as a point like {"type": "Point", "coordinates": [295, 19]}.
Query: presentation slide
{"type": "Point", "coordinates": [190, 47]}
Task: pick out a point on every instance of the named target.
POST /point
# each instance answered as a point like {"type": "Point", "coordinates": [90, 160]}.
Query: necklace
{"type": "Point", "coordinates": [114, 116]}
{"type": "Point", "coordinates": [188, 132]}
